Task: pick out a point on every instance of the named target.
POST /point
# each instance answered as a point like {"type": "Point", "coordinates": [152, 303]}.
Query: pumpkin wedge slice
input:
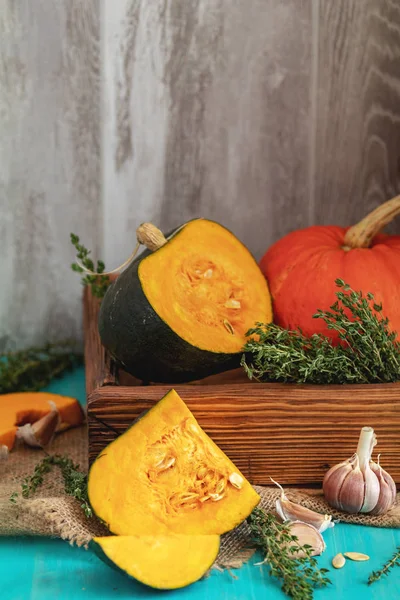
{"type": "Point", "coordinates": [166, 475]}
{"type": "Point", "coordinates": [28, 407]}
{"type": "Point", "coordinates": [165, 562]}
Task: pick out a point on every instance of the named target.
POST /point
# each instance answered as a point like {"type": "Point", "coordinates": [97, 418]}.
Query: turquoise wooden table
{"type": "Point", "coordinates": [47, 569]}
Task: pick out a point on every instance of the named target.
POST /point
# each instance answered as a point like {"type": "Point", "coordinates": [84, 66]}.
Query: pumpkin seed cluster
{"type": "Point", "coordinates": [185, 473]}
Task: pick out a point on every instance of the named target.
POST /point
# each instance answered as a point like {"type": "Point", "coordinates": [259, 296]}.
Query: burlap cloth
{"type": "Point", "coordinates": [51, 513]}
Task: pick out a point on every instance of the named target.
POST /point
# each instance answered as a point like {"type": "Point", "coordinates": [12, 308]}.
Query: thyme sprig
{"type": "Point", "coordinates": [368, 352]}
{"type": "Point", "coordinates": [387, 567]}
{"type": "Point", "coordinates": [33, 368]}
{"type": "Point", "coordinates": [95, 279]}
{"type": "Point", "coordinates": [75, 482]}
{"type": "Point", "coordinates": [299, 576]}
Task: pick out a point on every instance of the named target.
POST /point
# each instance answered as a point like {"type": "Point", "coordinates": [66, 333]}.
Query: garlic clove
{"type": "Point", "coordinates": [334, 480]}
{"type": "Point", "coordinates": [306, 534]}
{"type": "Point", "coordinates": [372, 490]}
{"type": "Point", "coordinates": [351, 494]}
{"type": "Point", "coordinates": [290, 511]}
{"type": "Point", "coordinates": [387, 493]}
{"type": "Point", "coordinates": [40, 433]}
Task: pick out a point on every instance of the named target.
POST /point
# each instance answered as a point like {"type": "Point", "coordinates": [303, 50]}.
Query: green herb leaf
{"type": "Point", "coordinates": [13, 497]}
{"type": "Point", "coordinates": [75, 482]}
{"type": "Point", "coordinates": [32, 369]}
{"type": "Point", "coordinates": [299, 576]}
{"type": "Point", "coordinates": [387, 567]}
{"type": "Point", "coordinates": [93, 277]}
{"type": "Point", "coordinates": [368, 353]}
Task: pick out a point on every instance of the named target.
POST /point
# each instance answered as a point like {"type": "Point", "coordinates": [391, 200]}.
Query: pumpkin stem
{"type": "Point", "coordinates": [147, 235]}
{"type": "Point", "coordinates": [150, 236]}
{"type": "Point", "coordinates": [362, 234]}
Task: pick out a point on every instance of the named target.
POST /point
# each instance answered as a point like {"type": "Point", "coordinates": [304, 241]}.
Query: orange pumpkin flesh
{"type": "Point", "coordinates": [28, 407]}
{"type": "Point", "coordinates": [166, 475]}
{"type": "Point", "coordinates": [302, 267]}
{"type": "Point", "coordinates": [204, 277]}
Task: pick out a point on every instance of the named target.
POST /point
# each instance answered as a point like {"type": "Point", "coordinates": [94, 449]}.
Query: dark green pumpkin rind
{"type": "Point", "coordinates": [144, 344]}
{"type": "Point", "coordinates": [96, 548]}
{"type": "Point", "coordinates": [99, 552]}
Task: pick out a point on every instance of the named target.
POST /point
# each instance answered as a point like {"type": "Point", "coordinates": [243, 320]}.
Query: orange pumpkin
{"type": "Point", "coordinates": [301, 269]}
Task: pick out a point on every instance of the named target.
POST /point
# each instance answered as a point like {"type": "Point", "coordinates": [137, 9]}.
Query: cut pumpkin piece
{"type": "Point", "coordinates": [28, 407]}
{"type": "Point", "coordinates": [165, 562]}
{"type": "Point", "coordinates": [166, 475]}
{"type": "Point", "coordinates": [182, 311]}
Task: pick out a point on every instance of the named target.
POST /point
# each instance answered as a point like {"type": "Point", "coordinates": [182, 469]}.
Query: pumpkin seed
{"type": "Point", "coordinates": [208, 274]}
{"type": "Point", "coordinates": [220, 486]}
{"type": "Point", "coordinates": [236, 480]}
{"type": "Point", "coordinates": [166, 463]}
{"type": "Point", "coordinates": [232, 303]}
{"type": "Point", "coordinates": [358, 556]}
{"type": "Point", "coordinates": [216, 497]}
{"type": "Point", "coordinates": [193, 428]}
{"type": "Point", "coordinates": [204, 499]}
{"type": "Point", "coordinates": [159, 461]}
{"type": "Point", "coordinates": [338, 561]}
{"type": "Point", "coordinates": [189, 497]}
{"type": "Point", "coordinates": [228, 326]}
{"type": "Point", "coordinates": [202, 472]}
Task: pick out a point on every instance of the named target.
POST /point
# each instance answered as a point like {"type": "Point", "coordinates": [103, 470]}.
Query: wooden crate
{"type": "Point", "coordinates": [292, 433]}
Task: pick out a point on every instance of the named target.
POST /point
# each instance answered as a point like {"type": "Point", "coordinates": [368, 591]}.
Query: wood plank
{"type": "Point", "coordinates": [49, 163]}
{"type": "Point", "coordinates": [357, 120]}
{"type": "Point", "coordinates": [288, 432]}
{"type": "Point", "coordinates": [207, 109]}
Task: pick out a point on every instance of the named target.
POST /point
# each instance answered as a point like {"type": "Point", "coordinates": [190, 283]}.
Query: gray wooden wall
{"type": "Point", "coordinates": [266, 115]}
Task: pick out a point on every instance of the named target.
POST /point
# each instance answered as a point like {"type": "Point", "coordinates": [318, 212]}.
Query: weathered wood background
{"type": "Point", "coordinates": [267, 115]}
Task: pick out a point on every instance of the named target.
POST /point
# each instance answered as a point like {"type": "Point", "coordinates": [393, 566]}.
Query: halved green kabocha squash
{"type": "Point", "coordinates": [181, 312]}
{"type": "Point", "coordinates": [166, 475]}
{"type": "Point", "coordinates": [165, 562]}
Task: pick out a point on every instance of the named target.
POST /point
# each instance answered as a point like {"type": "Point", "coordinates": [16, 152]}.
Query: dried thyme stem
{"type": "Point", "coordinates": [75, 482]}
{"type": "Point", "coordinates": [387, 567]}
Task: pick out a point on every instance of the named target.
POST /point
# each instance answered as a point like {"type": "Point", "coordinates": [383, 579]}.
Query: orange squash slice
{"type": "Point", "coordinates": [166, 475]}
{"type": "Point", "coordinates": [28, 407]}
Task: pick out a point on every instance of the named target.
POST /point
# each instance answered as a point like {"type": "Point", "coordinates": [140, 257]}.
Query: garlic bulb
{"type": "Point", "coordinates": [290, 511]}
{"type": "Point", "coordinates": [358, 484]}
